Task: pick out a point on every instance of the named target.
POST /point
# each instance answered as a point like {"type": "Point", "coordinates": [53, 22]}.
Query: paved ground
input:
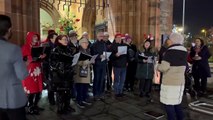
{"type": "Point", "coordinates": [130, 107]}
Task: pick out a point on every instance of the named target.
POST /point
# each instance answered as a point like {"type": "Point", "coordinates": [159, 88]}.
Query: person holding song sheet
{"type": "Point", "coordinates": [145, 68]}
{"type": "Point", "coordinates": [74, 47]}
{"type": "Point", "coordinates": [33, 84]}
{"type": "Point", "coordinates": [119, 63]}
{"type": "Point", "coordinates": [82, 78]}
{"type": "Point", "coordinates": [99, 67]}
{"type": "Point", "coordinates": [50, 41]}
{"type": "Point", "coordinates": [62, 73]}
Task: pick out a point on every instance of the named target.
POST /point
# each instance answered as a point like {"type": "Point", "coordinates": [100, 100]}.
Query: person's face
{"type": "Point", "coordinates": [118, 39]}
{"type": "Point", "coordinates": [168, 42]}
{"type": "Point", "coordinates": [147, 45]}
{"type": "Point", "coordinates": [53, 39]}
{"type": "Point", "coordinates": [63, 41]}
{"type": "Point", "coordinates": [197, 42]}
{"type": "Point", "coordinates": [73, 39]}
{"type": "Point", "coordinates": [100, 36]}
{"type": "Point", "coordinates": [84, 45]}
{"type": "Point", "coordinates": [35, 40]}
{"type": "Point", "coordinates": [106, 37]}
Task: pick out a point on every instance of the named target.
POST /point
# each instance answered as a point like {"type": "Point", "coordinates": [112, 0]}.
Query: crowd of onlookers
{"type": "Point", "coordinates": [50, 64]}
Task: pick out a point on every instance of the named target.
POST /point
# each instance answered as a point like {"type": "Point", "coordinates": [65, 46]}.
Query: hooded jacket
{"type": "Point", "coordinates": [34, 81]}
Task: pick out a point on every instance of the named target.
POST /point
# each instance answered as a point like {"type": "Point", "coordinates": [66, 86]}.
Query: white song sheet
{"type": "Point", "coordinates": [122, 50]}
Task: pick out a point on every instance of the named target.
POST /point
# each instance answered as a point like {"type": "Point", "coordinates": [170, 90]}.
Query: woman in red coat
{"type": "Point", "coordinates": [33, 83]}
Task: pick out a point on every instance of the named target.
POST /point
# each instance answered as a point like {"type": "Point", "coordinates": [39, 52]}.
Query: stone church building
{"type": "Point", "coordinates": [135, 17]}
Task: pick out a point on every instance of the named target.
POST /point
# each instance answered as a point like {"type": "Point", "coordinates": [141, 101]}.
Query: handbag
{"type": "Point", "coordinates": [83, 72]}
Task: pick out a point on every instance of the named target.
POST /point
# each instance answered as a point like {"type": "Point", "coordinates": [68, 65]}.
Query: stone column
{"type": "Point", "coordinates": [139, 17]}
{"type": "Point", "coordinates": [24, 15]}
{"type": "Point", "coordinates": [129, 16]}
{"type": "Point", "coordinates": [166, 16]}
{"type": "Point", "coordinates": [154, 20]}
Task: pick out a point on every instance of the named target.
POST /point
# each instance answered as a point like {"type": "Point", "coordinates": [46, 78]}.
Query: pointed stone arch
{"type": "Point", "coordinates": [51, 10]}
{"type": "Point", "coordinates": [89, 18]}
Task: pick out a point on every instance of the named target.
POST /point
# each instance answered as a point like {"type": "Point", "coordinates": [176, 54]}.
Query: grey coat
{"type": "Point", "coordinates": [12, 71]}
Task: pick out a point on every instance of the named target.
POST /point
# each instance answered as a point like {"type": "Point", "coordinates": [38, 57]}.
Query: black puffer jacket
{"type": "Point", "coordinates": [61, 64]}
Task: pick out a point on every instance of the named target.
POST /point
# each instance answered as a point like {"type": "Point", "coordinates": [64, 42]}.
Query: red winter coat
{"type": "Point", "coordinates": [34, 82]}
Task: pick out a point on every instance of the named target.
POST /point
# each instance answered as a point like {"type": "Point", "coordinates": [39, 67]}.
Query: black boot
{"type": "Point", "coordinates": [67, 106]}
{"type": "Point", "coordinates": [37, 99]}
{"type": "Point", "coordinates": [30, 109]}
{"type": "Point", "coordinates": [51, 97]}
{"type": "Point", "coordinates": [60, 102]}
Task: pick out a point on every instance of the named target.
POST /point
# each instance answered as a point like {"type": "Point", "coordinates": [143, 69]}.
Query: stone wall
{"type": "Point", "coordinates": [136, 17]}
{"type": "Point", "coordinates": [139, 17]}
{"type": "Point", "coordinates": [24, 15]}
{"type": "Point", "coordinates": [166, 9]}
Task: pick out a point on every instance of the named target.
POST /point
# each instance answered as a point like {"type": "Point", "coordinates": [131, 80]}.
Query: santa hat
{"type": "Point", "coordinates": [118, 35]}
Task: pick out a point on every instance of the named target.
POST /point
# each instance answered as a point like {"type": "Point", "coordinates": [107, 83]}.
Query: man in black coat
{"type": "Point", "coordinates": [119, 63]}
{"type": "Point", "coordinates": [98, 48]}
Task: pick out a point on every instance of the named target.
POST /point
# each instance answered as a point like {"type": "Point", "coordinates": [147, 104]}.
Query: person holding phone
{"type": "Point", "coordinates": [199, 55]}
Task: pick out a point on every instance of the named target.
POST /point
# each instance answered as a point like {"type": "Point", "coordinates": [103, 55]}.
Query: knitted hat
{"type": "Point", "coordinates": [128, 38]}
{"type": "Point", "coordinates": [176, 38]}
{"type": "Point", "coordinates": [72, 33]}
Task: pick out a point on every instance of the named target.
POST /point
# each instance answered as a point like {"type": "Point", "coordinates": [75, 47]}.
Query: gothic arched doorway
{"type": "Point", "coordinates": [89, 18]}
{"type": "Point", "coordinates": [49, 17]}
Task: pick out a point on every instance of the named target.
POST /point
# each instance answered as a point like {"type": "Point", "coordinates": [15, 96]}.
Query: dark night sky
{"type": "Point", "coordinates": [198, 14]}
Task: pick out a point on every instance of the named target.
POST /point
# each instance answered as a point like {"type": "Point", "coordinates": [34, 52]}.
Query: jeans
{"type": "Point", "coordinates": [82, 91]}
{"type": "Point", "coordinates": [99, 80]}
{"type": "Point", "coordinates": [174, 112]}
{"type": "Point", "coordinates": [120, 76]}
